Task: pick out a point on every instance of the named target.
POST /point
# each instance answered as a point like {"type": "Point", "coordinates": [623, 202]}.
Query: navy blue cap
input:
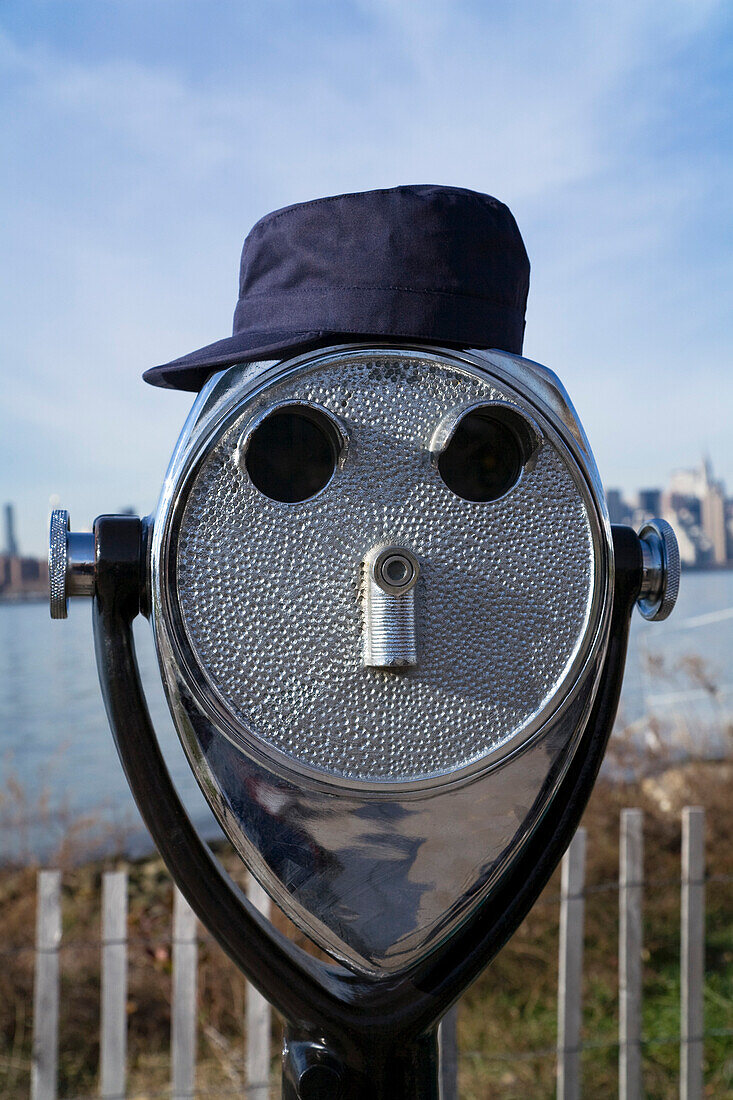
{"type": "Point", "coordinates": [423, 263]}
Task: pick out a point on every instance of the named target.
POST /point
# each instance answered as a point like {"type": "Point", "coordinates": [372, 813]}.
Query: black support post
{"type": "Point", "coordinates": [347, 1036]}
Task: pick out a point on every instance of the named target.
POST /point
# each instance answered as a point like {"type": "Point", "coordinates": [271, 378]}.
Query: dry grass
{"type": "Point", "coordinates": [506, 1016]}
{"type": "Point", "coordinates": [511, 1010]}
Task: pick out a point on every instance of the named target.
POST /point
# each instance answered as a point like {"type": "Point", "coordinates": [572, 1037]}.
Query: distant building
{"type": "Point", "coordinates": [21, 578]}
{"type": "Point", "coordinates": [695, 504]}
{"type": "Point", "coordinates": [688, 483]}
{"type": "Point", "coordinates": [650, 502]}
{"type": "Point", "coordinates": [712, 513]}
{"type": "Point", "coordinates": [619, 511]}
{"type": "Point", "coordinates": [11, 543]}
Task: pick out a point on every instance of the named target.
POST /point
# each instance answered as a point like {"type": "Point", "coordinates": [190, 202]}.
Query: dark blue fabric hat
{"type": "Point", "coordinates": [423, 263]}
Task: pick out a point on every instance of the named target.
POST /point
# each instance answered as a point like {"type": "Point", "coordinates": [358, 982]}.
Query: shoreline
{"type": "Point", "coordinates": [97, 836]}
{"type": "Point", "coordinates": [24, 597]}
{"type": "Point", "coordinates": [13, 598]}
{"type": "Point", "coordinates": [724, 567]}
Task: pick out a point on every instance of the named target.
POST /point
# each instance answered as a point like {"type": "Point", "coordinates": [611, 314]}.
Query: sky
{"type": "Point", "coordinates": [141, 140]}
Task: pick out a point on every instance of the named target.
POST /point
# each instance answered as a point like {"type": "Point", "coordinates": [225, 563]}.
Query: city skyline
{"type": "Point", "coordinates": [696, 504]}
{"type": "Point", "coordinates": [83, 506]}
{"type": "Point", "coordinates": [670, 500]}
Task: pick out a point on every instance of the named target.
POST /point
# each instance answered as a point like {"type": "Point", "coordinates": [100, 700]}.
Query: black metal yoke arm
{"type": "Point", "coordinates": [316, 998]}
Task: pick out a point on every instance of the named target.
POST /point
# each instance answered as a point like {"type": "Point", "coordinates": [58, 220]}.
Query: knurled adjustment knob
{"type": "Point", "coordinates": [661, 570]}
{"type": "Point", "coordinates": [70, 564]}
{"type": "Point", "coordinates": [58, 557]}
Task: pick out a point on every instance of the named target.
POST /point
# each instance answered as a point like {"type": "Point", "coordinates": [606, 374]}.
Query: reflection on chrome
{"type": "Point", "coordinates": [378, 793]}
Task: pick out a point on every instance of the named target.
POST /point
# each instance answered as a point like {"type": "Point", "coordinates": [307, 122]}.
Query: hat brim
{"type": "Point", "coordinates": [191, 371]}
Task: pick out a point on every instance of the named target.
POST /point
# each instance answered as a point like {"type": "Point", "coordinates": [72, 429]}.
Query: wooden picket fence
{"type": "Point", "coordinates": [113, 1023]}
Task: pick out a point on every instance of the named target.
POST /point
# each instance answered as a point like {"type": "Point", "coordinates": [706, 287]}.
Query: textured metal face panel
{"type": "Point", "coordinates": [269, 592]}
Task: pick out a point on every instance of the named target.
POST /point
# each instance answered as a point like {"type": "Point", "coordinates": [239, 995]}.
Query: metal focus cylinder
{"type": "Point", "coordinates": [389, 577]}
{"type": "Point", "coordinates": [70, 563]}
{"type": "Point", "coordinates": [661, 570]}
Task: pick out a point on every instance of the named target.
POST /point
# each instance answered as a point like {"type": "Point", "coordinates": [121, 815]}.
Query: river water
{"type": "Point", "coordinates": [59, 763]}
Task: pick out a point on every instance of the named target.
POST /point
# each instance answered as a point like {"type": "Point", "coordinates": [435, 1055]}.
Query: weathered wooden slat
{"type": "Point", "coordinates": [570, 977]}
{"type": "Point", "coordinates": [113, 1019]}
{"type": "Point", "coordinates": [183, 1011]}
{"type": "Point", "coordinates": [448, 1046]}
{"type": "Point", "coordinates": [692, 953]}
{"type": "Point", "coordinates": [44, 1069]}
{"type": "Point", "coordinates": [258, 1015]}
{"type": "Point", "coordinates": [631, 873]}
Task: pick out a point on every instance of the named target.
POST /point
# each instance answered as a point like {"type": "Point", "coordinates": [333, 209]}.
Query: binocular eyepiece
{"type": "Point", "coordinates": [391, 619]}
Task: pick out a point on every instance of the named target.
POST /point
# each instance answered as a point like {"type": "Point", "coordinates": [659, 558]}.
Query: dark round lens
{"type": "Point", "coordinates": [483, 459]}
{"type": "Point", "coordinates": [292, 454]}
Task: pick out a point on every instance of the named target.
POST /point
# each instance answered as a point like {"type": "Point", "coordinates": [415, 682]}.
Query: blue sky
{"type": "Point", "coordinates": [140, 141]}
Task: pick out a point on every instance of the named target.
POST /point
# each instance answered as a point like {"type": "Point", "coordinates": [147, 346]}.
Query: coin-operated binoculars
{"type": "Point", "coordinates": [391, 618]}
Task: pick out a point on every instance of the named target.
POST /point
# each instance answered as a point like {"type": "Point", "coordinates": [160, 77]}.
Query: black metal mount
{"type": "Point", "coordinates": [346, 1036]}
